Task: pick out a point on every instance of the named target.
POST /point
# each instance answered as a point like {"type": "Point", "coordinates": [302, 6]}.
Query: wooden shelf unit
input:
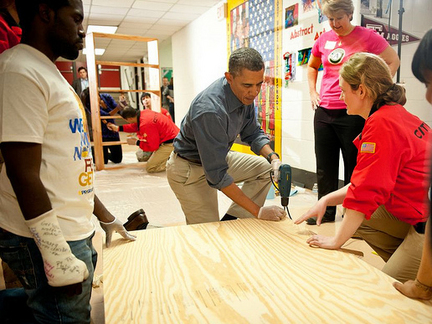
{"type": "Point", "coordinates": [94, 89]}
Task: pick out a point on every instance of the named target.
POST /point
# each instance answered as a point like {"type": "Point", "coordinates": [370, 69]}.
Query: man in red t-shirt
{"type": "Point", "coordinates": [155, 133]}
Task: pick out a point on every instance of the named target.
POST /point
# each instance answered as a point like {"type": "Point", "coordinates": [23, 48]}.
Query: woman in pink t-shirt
{"type": "Point", "coordinates": [334, 129]}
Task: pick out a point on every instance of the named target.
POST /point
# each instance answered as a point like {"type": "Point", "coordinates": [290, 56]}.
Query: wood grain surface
{"type": "Point", "coordinates": [246, 271]}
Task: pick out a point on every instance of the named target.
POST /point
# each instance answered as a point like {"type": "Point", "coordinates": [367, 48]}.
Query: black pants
{"type": "Point", "coordinates": [334, 132]}
{"type": "Point", "coordinates": [113, 153]}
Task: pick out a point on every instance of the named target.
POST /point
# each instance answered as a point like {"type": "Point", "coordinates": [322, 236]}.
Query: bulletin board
{"type": "Point", "coordinates": [304, 22]}
{"type": "Point", "coordinates": [258, 24]}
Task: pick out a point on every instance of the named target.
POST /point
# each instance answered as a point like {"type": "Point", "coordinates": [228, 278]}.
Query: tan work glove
{"type": "Point", "coordinates": [271, 213]}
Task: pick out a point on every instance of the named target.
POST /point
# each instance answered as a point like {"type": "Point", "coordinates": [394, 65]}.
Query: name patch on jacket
{"type": "Point", "coordinates": [367, 147]}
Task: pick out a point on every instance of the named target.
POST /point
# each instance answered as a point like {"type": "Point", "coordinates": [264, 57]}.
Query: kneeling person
{"type": "Point", "coordinates": [202, 161]}
{"type": "Point", "coordinates": [155, 133]}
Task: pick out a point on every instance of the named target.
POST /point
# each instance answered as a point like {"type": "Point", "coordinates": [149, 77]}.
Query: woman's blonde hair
{"type": "Point", "coordinates": [331, 7]}
{"type": "Point", "coordinates": [374, 73]}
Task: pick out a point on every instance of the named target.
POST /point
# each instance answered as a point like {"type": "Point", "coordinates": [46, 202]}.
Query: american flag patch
{"type": "Point", "coordinates": [368, 147]}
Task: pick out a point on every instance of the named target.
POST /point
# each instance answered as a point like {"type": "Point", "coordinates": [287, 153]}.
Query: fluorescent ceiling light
{"type": "Point", "coordinates": [98, 51]}
{"type": "Point", "coordinates": [101, 29]}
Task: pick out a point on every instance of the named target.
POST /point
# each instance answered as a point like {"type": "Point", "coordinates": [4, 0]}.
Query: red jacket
{"type": "Point", "coordinates": [9, 36]}
{"type": "Point", "coordinates": [166, 113]}
{"type": "Point", "coordinates": [392, 166]}
{"type": "Point", "coordinates": [153, 129]}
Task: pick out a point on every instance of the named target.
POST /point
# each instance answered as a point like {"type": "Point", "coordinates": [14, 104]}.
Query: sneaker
{"type": "Point", "coordinates": [325, 219]}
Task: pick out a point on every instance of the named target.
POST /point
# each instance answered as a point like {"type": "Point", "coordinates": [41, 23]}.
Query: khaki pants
{"type": "Point", "coordinates": [396, 242]}
{"type": "Point", "coordinates": [199, 201]}
{"type": "Point", "coordinates": [157, 161]}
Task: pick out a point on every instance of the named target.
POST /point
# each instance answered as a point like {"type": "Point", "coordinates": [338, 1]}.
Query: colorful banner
{"type": "Point", "coordinates": [391, 35]}
{"type": "Point", "coordinates": [258, 24]}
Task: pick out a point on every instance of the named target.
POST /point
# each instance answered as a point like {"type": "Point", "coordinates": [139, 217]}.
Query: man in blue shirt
{"type": "Point", "coordinates": [202, 162]}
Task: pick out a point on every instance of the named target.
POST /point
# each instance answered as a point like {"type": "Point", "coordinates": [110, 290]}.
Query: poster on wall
{"type": "Point", "coordinates": [258, 24]}
{"type": "Point", "coordinates": [308, 5]}
{"type": "Point", "coordinates": [300, 37]}
{"type": "Point", "coordinates": [239, 22]}
{"type": "Point", "coordinates": [291, 16]}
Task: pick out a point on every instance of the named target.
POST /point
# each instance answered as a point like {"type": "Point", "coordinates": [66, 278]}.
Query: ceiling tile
{"type": "Point", "coordinates": [109, 10]}
{"type": "Point", "coordinates": [202, 3]}
{"type": "Point", "coordinates": [149, 18]}
{"type": "Point", "coordinates": [146, 13]}
{"type": "Point", "coordinates": [139, 20]}
{"type": "Point", "coordinates": [152, 5]}
{"type": "Point", "coordinates": [102, 42]}
{"type": "Point", "coordinates": [132, 31]}
{"type": "Point", "coordinates": [189, 9]}
{"type": "Point", "coordinates": [113, 3]}
{"type": "Point", "coordinates": [140, 25]}
{"type": "Point", "coordinates": [186, 17]}
{"type": "Point", "coordinates": [104, 20]}
{"type": "Point", "coordinates": [170, 28]}
{"type": "Point", "coordinates": [159, 31]}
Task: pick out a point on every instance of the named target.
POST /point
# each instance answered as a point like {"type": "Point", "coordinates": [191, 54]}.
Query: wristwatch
{"type": "Point", "coordinates": [270, 155]}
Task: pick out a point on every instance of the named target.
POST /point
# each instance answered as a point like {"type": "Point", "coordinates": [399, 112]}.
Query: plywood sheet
{"type": "Point", "coordinates": [246, 271]}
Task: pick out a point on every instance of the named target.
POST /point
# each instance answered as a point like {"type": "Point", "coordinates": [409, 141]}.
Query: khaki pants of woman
{"type": "Point", "coordinates": [199, 201]}
{"type": "Point", "coordinates": [396, 242]}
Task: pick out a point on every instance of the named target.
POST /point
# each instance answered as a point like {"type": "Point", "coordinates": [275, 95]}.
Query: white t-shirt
{"type": "Point", "coordinates": [37, 105]}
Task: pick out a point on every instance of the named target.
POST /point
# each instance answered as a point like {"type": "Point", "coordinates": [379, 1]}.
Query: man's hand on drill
{"type": "Point", "coordinates": [271, 213]}
{"type": "Point", "coordinates": [275, 164]}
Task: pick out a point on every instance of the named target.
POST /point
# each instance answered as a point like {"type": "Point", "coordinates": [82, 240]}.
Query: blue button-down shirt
{"type": "Point", "coordinates": [209, 129]}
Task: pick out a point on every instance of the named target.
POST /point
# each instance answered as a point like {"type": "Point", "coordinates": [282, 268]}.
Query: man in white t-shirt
{"type": "Point", "coordinates": [46, 187]}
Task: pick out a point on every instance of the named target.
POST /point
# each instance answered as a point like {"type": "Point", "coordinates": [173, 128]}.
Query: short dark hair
{"type": "Point", "coordinates": [245, 58]}
{"type": "Point", "coordinates": [85, 98]}
{"type": "Point", "coordinates": [82, 68]}
{"type": "Point", "coordinates": [422, 59]}
{"type": "Point", "coordinates": [145, 94]}
{"type": "Point", "coordinates": [28, 9]}
{"type": "Point", "coordinates": [129, 113]}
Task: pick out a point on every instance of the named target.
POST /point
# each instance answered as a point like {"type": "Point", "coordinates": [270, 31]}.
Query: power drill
{"type": "Point", "coordinates": [284, 181]}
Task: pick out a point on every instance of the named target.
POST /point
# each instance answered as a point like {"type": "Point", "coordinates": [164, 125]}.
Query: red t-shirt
{"type": "Point", "coordinates": [334, 50]}
{"type": "Point", "coordinates": [392, 166]}
{"type": "Point", "coordinates": [154, 129]}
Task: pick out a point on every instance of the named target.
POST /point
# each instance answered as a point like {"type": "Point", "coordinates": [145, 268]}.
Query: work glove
{"type": "Point", "coordinates": [271, 213]}
{"type": "Point", "coordinates": [61, 266]}
{"type": "Point", "coordinates": [115, 226]}
{"type": "Point", "coordinates": [275, 164]}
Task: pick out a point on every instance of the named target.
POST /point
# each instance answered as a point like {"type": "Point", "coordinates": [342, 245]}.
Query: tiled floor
{"type": "Point", "coordinates": [125, 190]}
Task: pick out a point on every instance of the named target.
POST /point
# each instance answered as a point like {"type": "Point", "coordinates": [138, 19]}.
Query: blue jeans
{"type": "Point", "coordinates": [48, 304]}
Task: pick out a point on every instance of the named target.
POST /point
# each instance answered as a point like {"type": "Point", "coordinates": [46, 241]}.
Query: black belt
{"type": "Point", "coordinates": [168, 141]}
{"type": "Point", "coordinates": [420, 227]}
{"type": "Point", "coordinates": [189, 159]}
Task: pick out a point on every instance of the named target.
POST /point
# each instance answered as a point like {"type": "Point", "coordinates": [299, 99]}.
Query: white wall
{"type": "Point", "coordinates": [165, 53]}
{"type": "Point", "coordinates": [199, 58]}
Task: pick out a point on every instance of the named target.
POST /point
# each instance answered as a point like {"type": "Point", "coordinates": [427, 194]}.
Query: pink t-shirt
{"type": "Point", "coordinates": [334, 50]}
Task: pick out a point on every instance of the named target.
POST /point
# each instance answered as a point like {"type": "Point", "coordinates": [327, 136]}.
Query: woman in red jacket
{"type": "Point", "coordinates": [386, 199]}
